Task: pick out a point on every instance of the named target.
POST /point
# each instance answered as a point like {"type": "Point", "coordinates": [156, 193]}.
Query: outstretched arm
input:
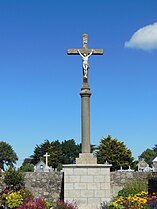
{"type": "Point", "coordinates": [90, 53]}
{"type": "Point", "coordinates": [80, 53]}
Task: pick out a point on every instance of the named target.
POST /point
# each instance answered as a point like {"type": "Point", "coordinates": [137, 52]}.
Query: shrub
{"type": "Point", "coordinates": [25, 193]}
{"type": "Point", "coordinates": [14, 199]}
{"type": "Point", "coordinates": [133, 187]}
{"type": "Point", "coordinates": [14, 178]}
{"type": "Point", "coordinates": [50, 204]}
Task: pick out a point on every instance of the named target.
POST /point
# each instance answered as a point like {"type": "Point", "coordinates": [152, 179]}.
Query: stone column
{"type": "Point", "coordinates": [85, 118]}
{"type": "Point", "coordinates": [86, 157]}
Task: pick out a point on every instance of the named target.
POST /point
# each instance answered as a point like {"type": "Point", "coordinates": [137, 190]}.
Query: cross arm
{"type": "Point", "coordinates": [86, 51]}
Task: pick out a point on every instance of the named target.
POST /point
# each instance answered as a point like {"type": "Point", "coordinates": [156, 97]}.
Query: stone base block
{"type": "Point", "coordinates": [86, 158]}
{"type": "Point", "coordinates": [87, 184]}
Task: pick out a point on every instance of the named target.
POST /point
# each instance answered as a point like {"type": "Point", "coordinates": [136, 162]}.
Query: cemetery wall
{"type": "Point", "coordinates": [46, 184]}
{"type": "Point", "coordinates": [50, 184]}
{"type": "Point", "coordinates": [43, 184]}
{"type": "Point", "coordinates": [118, 179]}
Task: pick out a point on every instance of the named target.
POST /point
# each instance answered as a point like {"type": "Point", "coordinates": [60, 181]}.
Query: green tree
{"type": "Point", "coordinates": [114, 152]}
{"type": "Point", "coordinates": [27, 167]}
{"type": "Point", "coordinates": [60, 153]}
{"type": "Point", "coordinates": [52, 148]}
{"type": "Point", "coordinates": [40, 151]}
{"type": "Point", "coordinates": [55, 152]}
{"type": "Point", "coordinates": [149, 154]}
{"type": "Point", "coordinates": [155, 148]}
{"type": "Point", "coordinates": [8, 156]}
{"type": "Point", "coordinates": [70, 150]}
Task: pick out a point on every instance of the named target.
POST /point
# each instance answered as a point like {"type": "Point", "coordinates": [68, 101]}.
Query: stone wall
{"type": "Point", "coordinates": [50, 184]}
{"type": "Point", "coordinates": [118, 179]}
{"type": "Point", "coordinates": [45, 184]}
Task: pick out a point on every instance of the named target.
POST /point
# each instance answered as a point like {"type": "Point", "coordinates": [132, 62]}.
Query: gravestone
{"type": "Point", "coordinates": [155, 164]}
{"type": "Point", "coordinates": [40, 166]}
{"type": "Point", "coordinates": [142, 165]}
{"type": "Point", "coordinates": [86, 182]}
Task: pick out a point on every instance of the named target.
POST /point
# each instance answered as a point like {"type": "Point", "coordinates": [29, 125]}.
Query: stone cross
{"type": "Point", "coordinates": [85, 48]}
{"type": "Point", "coordinates": [46, 155]}
{"type": "Point", "coordinates": [85, 52]}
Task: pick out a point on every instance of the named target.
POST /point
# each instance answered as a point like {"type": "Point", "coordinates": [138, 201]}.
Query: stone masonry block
{"type": "Point", "coordinates": [105, 171]}
{"type": "Point", "coordinates": [105, 186]}
{"type": "Point", "coordinates": [81, 201]}
{"type": "Point", "coordinates": [66, 179]}
{"type": "Point", "coordinates": [107, 179]}
{"type": "Point", "coordinates": [107, 191]}
{"type": "Point", "coordinates": [72, 193]}
{"type": "Point", "coordinates": [100, 193]}
{"type": "Point", "coordinates": [99, 179]}
{"type": "Point", "coordinates": [87, 179]}
{"type": "Point", "coordinates": [69, 186]}
{"type": "Point", "coordinates": [74, 179]}
{"type": "Point", "coordinates": [68, 171]}
{"type": "Point", "coordinates": [93, 171]}
{"type": "Point", "coordinates": [87, 193]}
{"type": "Point", "coordinates": [93, 200]}
{"type": "Point", "coordinates": [80, 186]}
{"type": "Point", "coordinates": [66, 194]}
{"type": "Point", "coordinates": [93, 186]}
{"type": "Point", "coordinates": [80, 171]}
{"type": "Point", "coordinates": [86, 158]}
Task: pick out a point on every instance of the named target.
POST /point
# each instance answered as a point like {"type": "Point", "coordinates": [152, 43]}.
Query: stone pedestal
{"type": "Point", "coordinates": [86, 158]}
{"type": "Point", "coordinates": [87, 184]}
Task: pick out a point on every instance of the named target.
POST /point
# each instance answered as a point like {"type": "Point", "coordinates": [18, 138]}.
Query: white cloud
{"type": "Point", "coordinates": [145, 38]}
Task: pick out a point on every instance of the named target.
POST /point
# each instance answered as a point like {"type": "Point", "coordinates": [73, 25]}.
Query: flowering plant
{"type": "Point", "coordinates": [3, 195]}
{"type": "Point", "coordinates": [34, 203]}
{"type": "Point", "coordinates": [66, 205]}
{"type": "Point", "coordinates": [152, 201]}
{"type": "Point", "coordinates": [137, 201]}
{"type": "Point", "coordinates": [14, 199]}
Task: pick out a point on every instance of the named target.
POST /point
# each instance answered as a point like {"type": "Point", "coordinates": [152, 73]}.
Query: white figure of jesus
{"type": "Point", "coordinates": [85, 63]}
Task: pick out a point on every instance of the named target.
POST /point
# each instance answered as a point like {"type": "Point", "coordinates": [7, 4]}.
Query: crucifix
{"type": "Point", "coordinates": [85, 53]}
{"type": "Point", "coordinates": [85, 93]}
{"type": "Point", "coordinates": [46, 155]}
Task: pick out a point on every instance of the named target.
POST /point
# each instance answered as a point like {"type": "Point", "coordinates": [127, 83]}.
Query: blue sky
{"type": "Point", "coordinates": [40, 83]}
